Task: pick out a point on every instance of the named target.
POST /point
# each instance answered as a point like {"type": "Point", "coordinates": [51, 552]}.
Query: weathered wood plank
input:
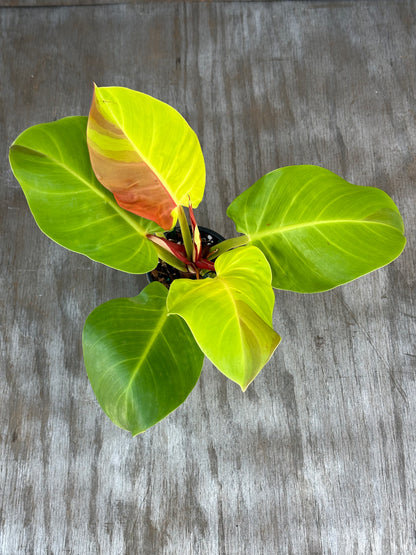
{"type": "Point", "coordinates": [64, 3]}
{"type": "Point", "coordinates": [319, 455]}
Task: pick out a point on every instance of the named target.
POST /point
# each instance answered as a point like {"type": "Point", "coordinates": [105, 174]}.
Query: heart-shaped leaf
{"type": "Point", "coordinates": [316, 229]}
{"type": "Point", "coordinates": [142, 363]}
{"type": "Point", "coordinates": [52, 164]}
{"type": "Point", "coordinates": [145, 153]}
{"type": "Point", "coordinates": [231, 315]}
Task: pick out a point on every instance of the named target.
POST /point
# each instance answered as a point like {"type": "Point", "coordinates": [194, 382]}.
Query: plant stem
{"type": "Point", "coordinates": [226, 245]}
{"type": "Point", "coordinates": [186, 234]}
{"type": "Point", "coordinates": [169, 258]}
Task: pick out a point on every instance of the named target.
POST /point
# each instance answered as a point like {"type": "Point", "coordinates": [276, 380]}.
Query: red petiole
{"type": "Point", "coordinates": [195, 262]}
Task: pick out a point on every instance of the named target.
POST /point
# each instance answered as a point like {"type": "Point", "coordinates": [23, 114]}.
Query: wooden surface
{"type": "Point", "coordinates": [60, 3]}
{"type": "Point", "coordinates": [319, 455]}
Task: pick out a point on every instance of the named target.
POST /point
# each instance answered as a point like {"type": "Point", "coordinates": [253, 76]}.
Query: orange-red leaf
{"type": "Point", "coordinates": [145, 153]}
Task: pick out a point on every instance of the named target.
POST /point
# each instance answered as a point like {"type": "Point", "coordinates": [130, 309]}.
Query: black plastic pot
{"type": "Point", "coordinates": [165, 273]}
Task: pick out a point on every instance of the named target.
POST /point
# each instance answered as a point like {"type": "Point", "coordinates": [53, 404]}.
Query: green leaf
{"type": "Point", "coordinates": [231, 314]}
{"type": "Point", "coordinates": [142, 363]}
{"type": "Point", "coordinates": [316, 229]}
{"type": "Point", "coordinates": [51, 162]}
{"type": "Point", "coordinates": [145, 153]}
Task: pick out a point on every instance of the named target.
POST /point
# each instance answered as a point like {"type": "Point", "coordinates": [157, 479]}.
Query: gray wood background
{"type": "Point", "coordinates": [318, 456]}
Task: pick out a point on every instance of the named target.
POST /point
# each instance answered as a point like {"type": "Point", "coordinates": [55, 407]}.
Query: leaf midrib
{"type": "Point", "coordinates": [229, 291]}
{"type": "Point", "coordinates": [160, 324]}
{"type": "Point", "coordinates": [294, 227]}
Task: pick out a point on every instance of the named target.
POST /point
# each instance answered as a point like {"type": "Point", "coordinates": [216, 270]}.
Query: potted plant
{"type": "Point", "coordinates": [111, 186]}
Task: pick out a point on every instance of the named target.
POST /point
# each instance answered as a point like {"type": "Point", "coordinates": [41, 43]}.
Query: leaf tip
{"type": "Point", "coordinates": [245, 385]}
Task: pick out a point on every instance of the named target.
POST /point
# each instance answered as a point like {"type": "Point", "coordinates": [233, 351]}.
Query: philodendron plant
{"type": "Point", "coordinates": [111, 185]}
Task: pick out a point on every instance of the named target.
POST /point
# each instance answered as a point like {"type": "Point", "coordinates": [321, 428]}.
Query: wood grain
{"type": "Point", "coordinates": [318, 456]}
{"type": "Point", "coordinates": [61, 3]}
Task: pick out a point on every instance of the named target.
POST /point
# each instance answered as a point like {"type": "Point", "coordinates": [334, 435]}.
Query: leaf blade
{"type": "Point", "coordinates": [51, 163]}
{"type": "Point", "coordinates": [145, 153]}
{"type": "Point", "coordinates": [317, 230]}
{"type": "Point", "coordinates": [136, 375]}
{"type": "Point", "coordinates": [231, 314]}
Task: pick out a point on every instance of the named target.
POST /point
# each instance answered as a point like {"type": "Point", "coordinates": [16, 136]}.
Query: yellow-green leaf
{"type": "Point", "coordinates": [231, 315]}
{"type": "Point", "coordinates": [52, 165]}
{"type": "Point", "coordinates": [317, 230]}
{"type": "Point", "coordinates": [142, 363]}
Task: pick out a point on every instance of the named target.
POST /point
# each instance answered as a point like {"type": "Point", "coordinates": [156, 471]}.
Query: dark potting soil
{"type": "Point", "coordinates": [165, 273]}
